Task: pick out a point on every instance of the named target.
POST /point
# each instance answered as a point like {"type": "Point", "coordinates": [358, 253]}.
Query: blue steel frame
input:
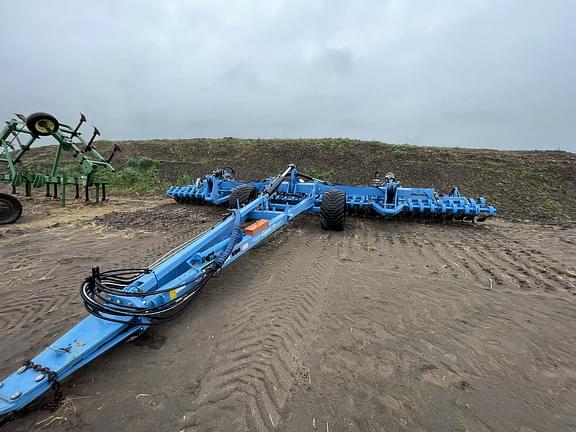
{"type": "Point", "coordinates": [278, 202]}
{"type": "Point", "coordinates": [385, 198]}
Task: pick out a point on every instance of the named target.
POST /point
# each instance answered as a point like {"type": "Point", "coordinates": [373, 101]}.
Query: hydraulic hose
{"type": "Point", "coordinates": [97, 289]}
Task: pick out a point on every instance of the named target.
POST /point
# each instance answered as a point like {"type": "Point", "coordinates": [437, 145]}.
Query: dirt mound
{"type": "Point", "coordinates": [536, 185]}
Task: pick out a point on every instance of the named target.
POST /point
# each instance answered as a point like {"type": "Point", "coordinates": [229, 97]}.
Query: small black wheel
{"type": "Point", "coordinates": [242, 195]}
{"type": "Point", "coordinates": [333, 210]}
{"type": "Point", "coordinates": [42, 124]}
{"type": "Point", "coordinates": [10, 209]}
{"type": "Point", "coordinates": [229, 173]}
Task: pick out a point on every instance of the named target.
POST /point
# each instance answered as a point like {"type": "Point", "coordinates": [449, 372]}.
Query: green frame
{"type": "Point", "coordinates": [68, 139]}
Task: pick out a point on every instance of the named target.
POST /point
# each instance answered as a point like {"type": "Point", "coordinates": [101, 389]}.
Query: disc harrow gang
{"type": "Point", "coordinates": [383, 198]}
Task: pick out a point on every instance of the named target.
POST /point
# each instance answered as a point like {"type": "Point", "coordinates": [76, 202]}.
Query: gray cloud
{"type": "Point", "coordinates": [486, 73]}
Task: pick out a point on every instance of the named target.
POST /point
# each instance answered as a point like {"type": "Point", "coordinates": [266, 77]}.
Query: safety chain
{"type": "Point", "coordinates": [52, 377]}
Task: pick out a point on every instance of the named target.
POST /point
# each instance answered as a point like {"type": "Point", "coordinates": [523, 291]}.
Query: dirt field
{"type": "Point", "coordinates": [384, 327]}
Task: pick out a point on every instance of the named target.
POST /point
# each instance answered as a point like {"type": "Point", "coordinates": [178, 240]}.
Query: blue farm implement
{"type": "Point", "coordinates": [124, 303]}
{"type": "Point", "coordinates": [384, 198]}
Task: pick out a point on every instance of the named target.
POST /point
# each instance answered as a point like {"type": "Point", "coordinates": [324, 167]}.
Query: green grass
{"type": "Point", "coordinates": [327, 175]}
{"type": "Point", "coordinates": [138, 175]}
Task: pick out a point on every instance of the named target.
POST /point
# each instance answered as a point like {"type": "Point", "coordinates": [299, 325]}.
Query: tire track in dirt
{"type": "Point", "coordinates": [519, 261]}
{"type": "Point", "coordinates": [259, 359]}
{"type": "Point", "coordinates": [523, 271]}
{"type": "Point", "coordinates": [31, 298]}
{"type": "Point", "coordinates": [486, 264]}
{"type": "Point", "coordinates": [389, 316]}
{"type": "Point", "coordinates": [27, 310]}
{"type": "Point", "coordinates": [421, 243]}
{"type": "Point", "coordinates": [421, 332]}
{"type": "Point", "coordinates": [479, 250]}
{"type": "Point", "coordinates": [484, 259]}
{"type": "Point", "coordinates": [545, 263]}
{"type": "Point", "coordinates": [472, 249]}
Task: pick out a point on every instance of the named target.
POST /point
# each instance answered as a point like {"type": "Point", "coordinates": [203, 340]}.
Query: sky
{"type": "Point", "coordinates": [466, 73]}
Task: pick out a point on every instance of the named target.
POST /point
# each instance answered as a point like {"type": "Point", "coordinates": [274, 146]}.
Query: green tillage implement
{"type": "Point", "coordinates": [12, 150]}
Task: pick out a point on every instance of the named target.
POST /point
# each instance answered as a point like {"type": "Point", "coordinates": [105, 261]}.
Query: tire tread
{"type": "Point", "coordinates": [333, 210]}
{"type": "Point", "coordinates": [243, 194]}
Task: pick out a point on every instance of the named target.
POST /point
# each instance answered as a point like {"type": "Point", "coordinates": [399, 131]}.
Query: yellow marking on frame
{"type": "Point", "coordinates": [172, 294]}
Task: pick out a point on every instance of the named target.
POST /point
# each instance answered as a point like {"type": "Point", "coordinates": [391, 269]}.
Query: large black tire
{"type": "Point", "coordinates": [333, 210]}
{"type": "Point", "coordinates": [10, 209]}
{"type": "Point", "coordinates": [42, 124]}
{"type": "Point", "coordinates": [243, 195]}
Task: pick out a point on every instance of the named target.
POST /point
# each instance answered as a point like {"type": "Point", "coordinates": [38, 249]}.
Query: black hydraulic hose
{"type": "Point", "coordinates": [235, 237]}
{"type": "Point", "coordinates": [100, 307]}
{"type": "Point", "coordinates": [112, 280]}
{"type": "Point", "coordinates": [150, 321]}
{"type": "Point", "coordinates": [97, 284]}
{"type": "Point", "coordinates": [96, 290]}
{"type": "Point", "coordinates": [305, 176]}
{"type": "Point", "coordinates": [308, 177]}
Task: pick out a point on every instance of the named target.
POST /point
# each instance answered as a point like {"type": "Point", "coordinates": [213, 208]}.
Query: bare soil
{"type": "Point", "coordinates": [385, 326]}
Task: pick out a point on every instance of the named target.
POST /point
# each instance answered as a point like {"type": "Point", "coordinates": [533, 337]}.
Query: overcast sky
{"type": "Point", "coordinates": [468, 73]}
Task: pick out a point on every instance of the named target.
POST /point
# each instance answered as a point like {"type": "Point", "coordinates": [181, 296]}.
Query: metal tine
{"type": "Point", "coordinates": [91, 142]}
{"type": "Point", "coordinates": [75, 131]}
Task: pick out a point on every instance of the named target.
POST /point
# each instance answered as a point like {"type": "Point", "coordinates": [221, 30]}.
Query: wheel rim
{"type": "Point", "coordinates": [44, 126]}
